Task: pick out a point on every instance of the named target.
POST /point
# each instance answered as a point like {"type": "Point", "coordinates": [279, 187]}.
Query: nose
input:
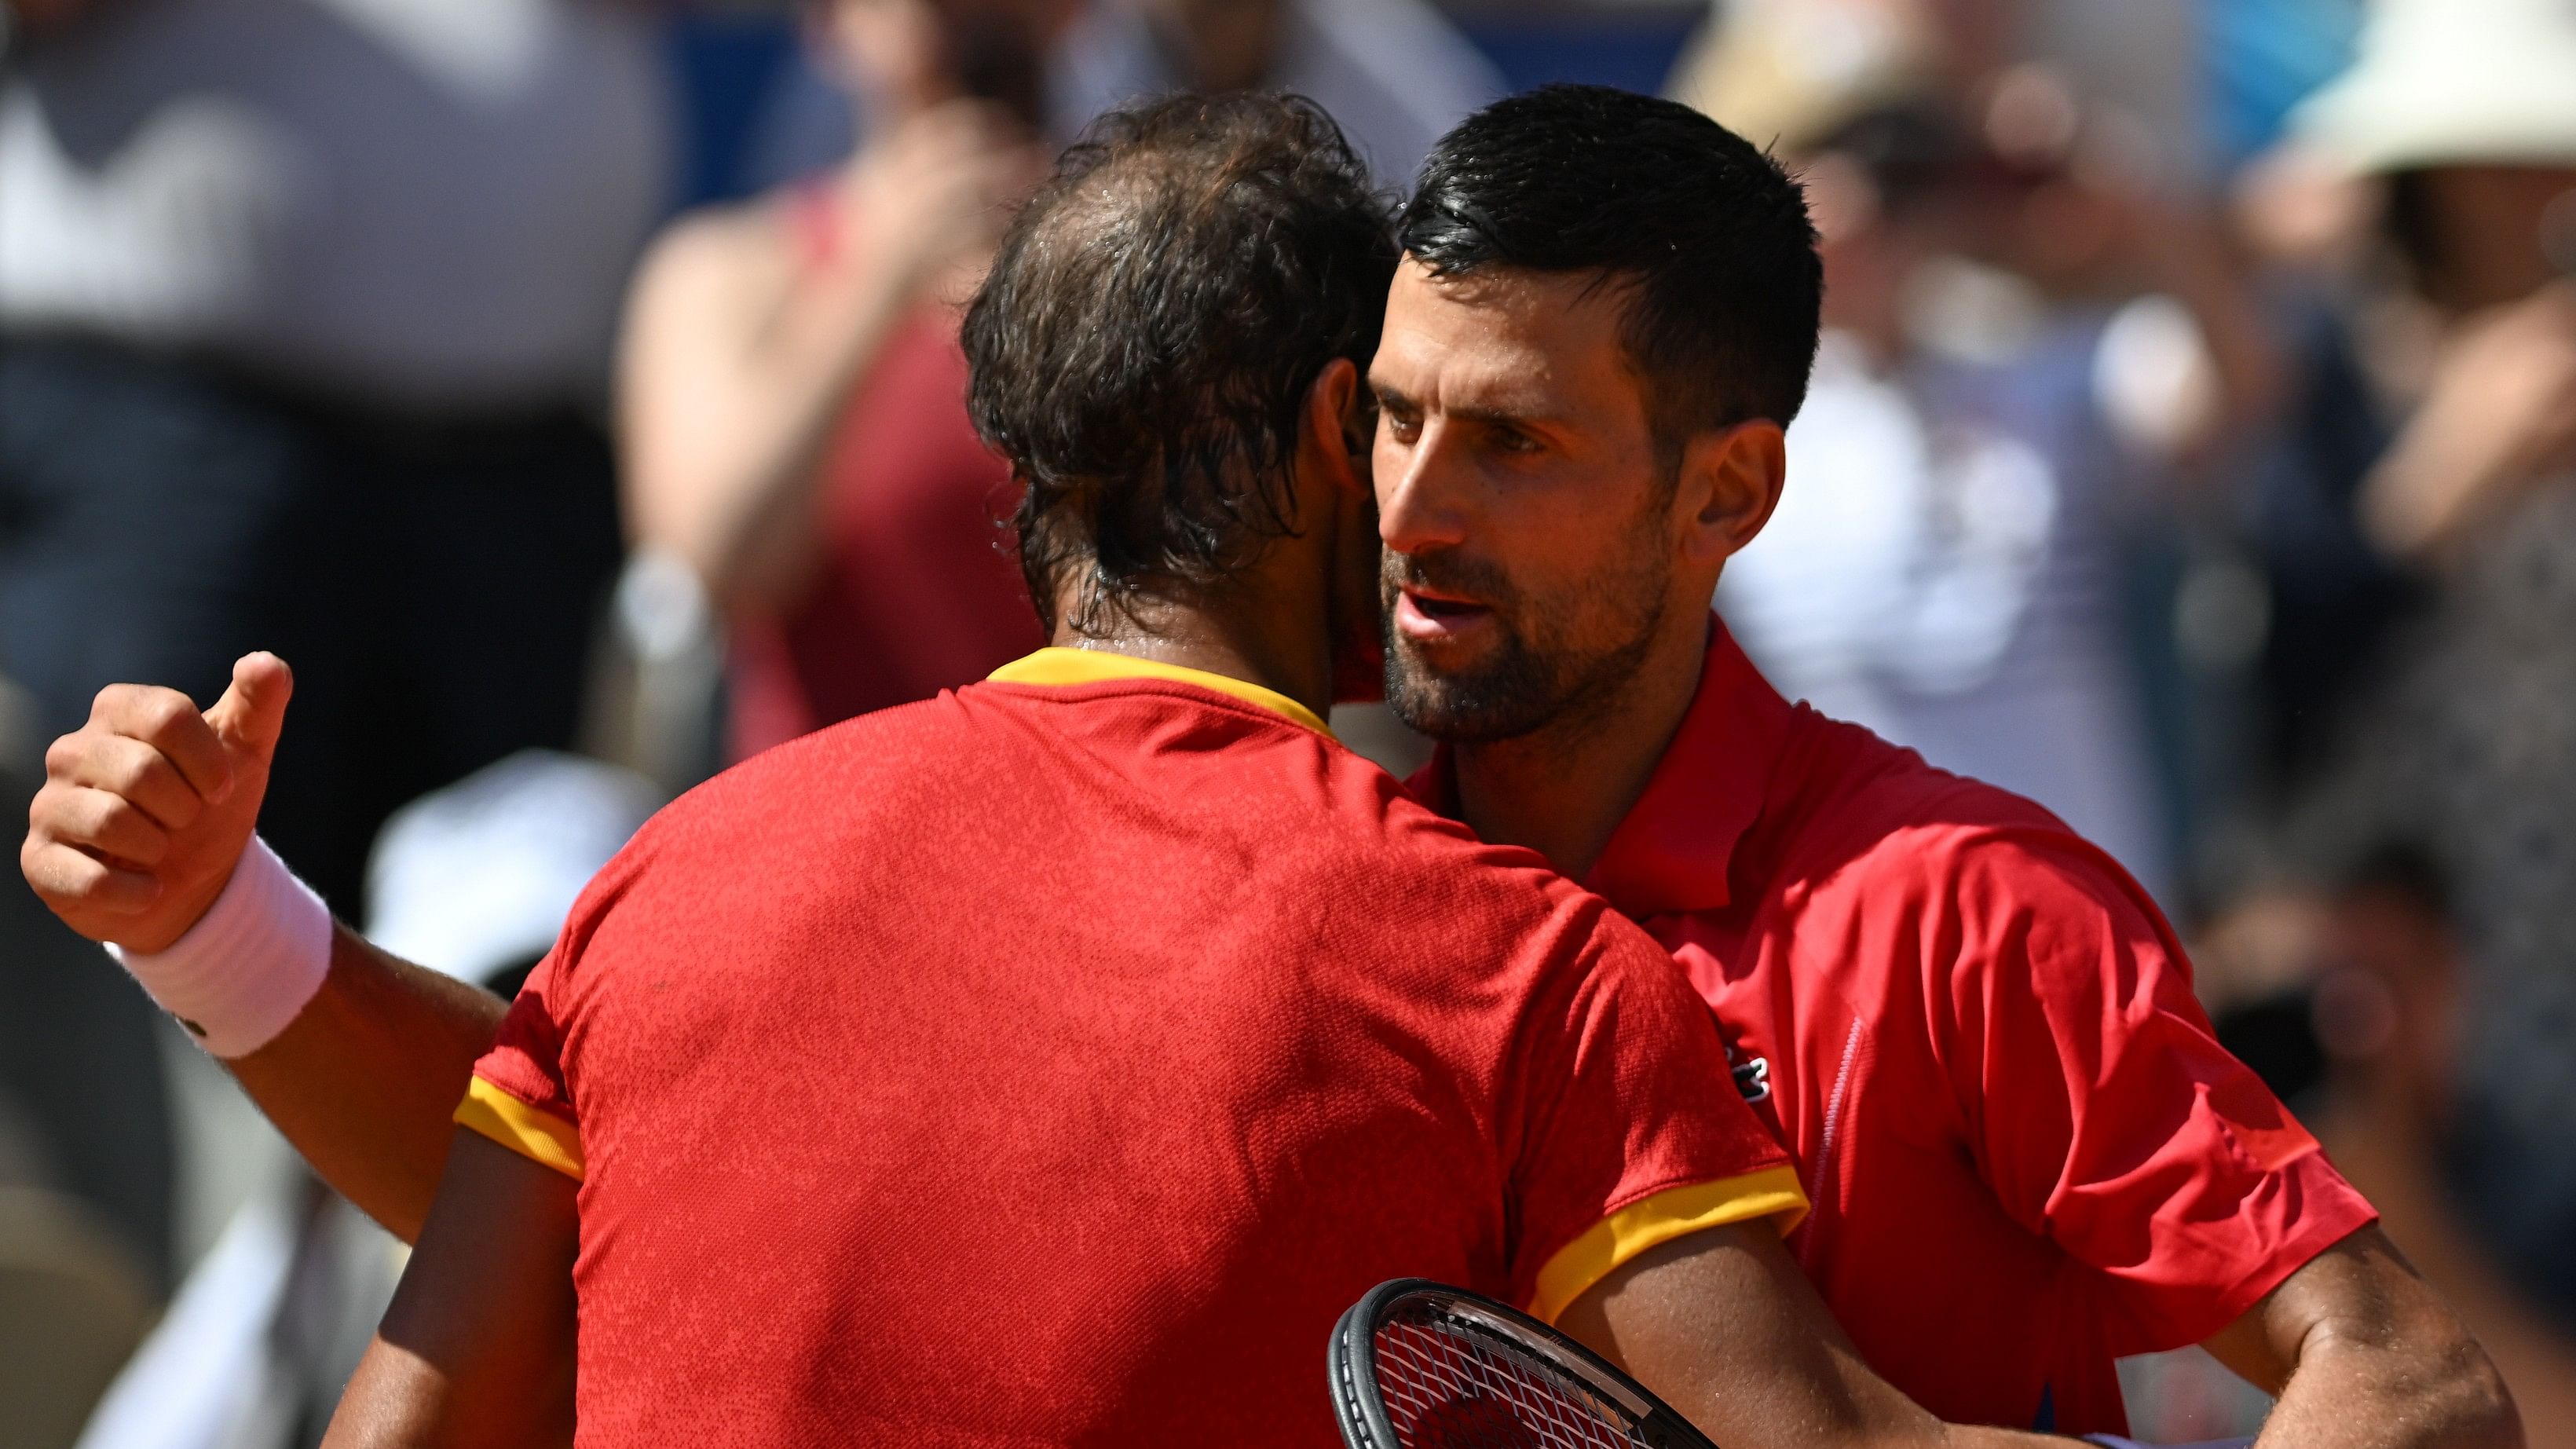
{"type": "Point", "coordinates": [1422, 497]}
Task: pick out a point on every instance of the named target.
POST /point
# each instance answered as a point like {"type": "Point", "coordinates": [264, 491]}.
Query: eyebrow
{"type": "Point", "coordinates": [1394, 399]}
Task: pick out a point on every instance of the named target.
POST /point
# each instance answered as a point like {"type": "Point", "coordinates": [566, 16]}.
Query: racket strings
{"type": "Point", "coordinates": [1448, 1388]}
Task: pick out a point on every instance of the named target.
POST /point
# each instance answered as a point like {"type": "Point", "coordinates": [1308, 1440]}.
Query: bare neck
{"type": "Point", "coordinates": [1563, 790]}
{"type": "Point", "coordinates": [1282, 649]}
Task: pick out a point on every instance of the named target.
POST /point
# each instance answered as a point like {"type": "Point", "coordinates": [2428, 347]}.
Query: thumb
{"type": "Point", "coordinates": [252, 712]}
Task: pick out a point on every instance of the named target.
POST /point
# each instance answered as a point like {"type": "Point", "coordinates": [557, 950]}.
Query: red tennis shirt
{"type": "Point", "coordinates": [1051, 1062]}
{"type": "Point", "coordinates": [2027, 1153]}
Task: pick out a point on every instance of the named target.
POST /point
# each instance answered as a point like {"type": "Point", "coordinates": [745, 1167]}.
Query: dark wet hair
{"type": "Point", "coordinates": [1707, 235]}
{"type": "Point", "coordinates": [1146, 340]}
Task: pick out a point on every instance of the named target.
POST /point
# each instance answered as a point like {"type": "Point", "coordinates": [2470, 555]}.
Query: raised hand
{"type": "Point", "coordinates": [147, 808]}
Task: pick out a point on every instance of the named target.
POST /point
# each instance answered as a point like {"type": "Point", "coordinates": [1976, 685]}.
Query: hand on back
{"type": "Point", "coordinates": [147, 808]}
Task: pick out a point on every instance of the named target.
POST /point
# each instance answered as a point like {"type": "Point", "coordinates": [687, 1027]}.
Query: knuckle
{"type": "Point", "coordinates": [118, 818]}
{"type": "Point", "coordinates": [130, 772]}
{"type": "Point", "coordinates": [165, 712]}
{"type": "Point", "coordinates": [44, 813]}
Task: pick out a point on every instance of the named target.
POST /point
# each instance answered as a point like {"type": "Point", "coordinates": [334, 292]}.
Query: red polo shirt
{"type": "Point", "coordinates": [1051, 1062]}
{"type": "Point", "coordinates": [2026, 1152]}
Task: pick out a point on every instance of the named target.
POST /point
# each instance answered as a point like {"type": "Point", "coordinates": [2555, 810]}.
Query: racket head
{"type": "Point", "coordinates": [1420, 1365]}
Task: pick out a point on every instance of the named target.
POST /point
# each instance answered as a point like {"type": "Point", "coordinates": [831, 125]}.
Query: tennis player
{"type": "Point", "coordinates": [1049, 1063]}
{"type": "Point", "coordinates": [1976, 1034]}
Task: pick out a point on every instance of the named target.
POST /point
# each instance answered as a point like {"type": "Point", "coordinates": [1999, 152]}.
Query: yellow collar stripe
{"type": "Point", "coordinates": [1058, 665]}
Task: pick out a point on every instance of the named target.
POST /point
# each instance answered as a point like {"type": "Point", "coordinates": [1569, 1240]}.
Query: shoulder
{"type": "Point", "coordinates": [1968, 872]}
{"type": "Point", "coordinates": [738, 252]}
{"type": "Point", "coordinates": [1481, 906]}
{"type": "Point", "coordinates": [832, 773]}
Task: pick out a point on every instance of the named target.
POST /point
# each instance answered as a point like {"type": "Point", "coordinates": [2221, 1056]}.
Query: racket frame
{"type": "Point", "coordinates": [1360, 1406]}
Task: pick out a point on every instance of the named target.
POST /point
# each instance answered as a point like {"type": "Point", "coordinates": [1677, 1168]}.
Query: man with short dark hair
{"type": "Point", "coordinates": [1973, 1031]}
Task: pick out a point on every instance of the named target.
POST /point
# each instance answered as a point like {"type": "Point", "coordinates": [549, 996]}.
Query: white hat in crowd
{"type": "Point", "coordinates": [2454, 82]}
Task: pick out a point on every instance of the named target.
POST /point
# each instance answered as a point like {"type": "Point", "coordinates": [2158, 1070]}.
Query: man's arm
{"type": "Point", "coordinates": [2106, 1116]}
{"type": "Point", "coordinates": [477, 1348]}
{"type": "Point", "coordinates": [2364, 1355]}
{"type": "Point", "coordinates": [145, 815]}
{"type": "Point", "coordinates": [1723, 1326]}
{"type": "Point", "coordinates": [366, 1079]}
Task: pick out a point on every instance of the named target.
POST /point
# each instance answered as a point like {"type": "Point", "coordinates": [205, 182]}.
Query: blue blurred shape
{"type": "Point", "coordinates": [1633, 48]}
{"type": "Point", "coordinates": [727, 63]}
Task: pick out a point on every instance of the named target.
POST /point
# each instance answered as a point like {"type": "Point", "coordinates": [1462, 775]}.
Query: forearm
{"type": "Point", "coordinates": [1724, 1327]}
{"type": "Point", "coordinates": [727, 472]}
{"type": "Point", "coordinates": [2360, 1391]}
{"type": "Point", "coordinates": [2362, 1354]}
{"type": "Point", "coordinates": [364, 1081]}
{"type": "Point", "coordinates": [477, 1349]}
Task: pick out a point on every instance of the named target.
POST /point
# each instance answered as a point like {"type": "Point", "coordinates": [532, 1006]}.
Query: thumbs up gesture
{"type": "Point", "coordinates": [147, 808]}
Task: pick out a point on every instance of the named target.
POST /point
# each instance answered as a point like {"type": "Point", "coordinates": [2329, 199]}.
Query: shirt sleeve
{"type": "Point", "coordinates": [522, 1094]}
{"type": "Point", "coordinates": [2099, 1104]}
{"type": "Point", "coordinates": [519, 1097]}
{"type": "Point", "coordinates": [1635, 1134]}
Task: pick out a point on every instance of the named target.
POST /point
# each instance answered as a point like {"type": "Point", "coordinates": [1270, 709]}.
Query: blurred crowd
{"type": "Point", "coordinates": [570, 391]}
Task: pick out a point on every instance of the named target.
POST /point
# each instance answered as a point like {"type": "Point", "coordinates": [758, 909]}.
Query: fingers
{"type": "Point", "coordinates": [168, 721]}
{"type": "Point", "coordinates": [252, 712]}
{"type": "Point", "coordinates": [79, 887]}
{"type": "Point", "coordinates": [99, 823]}
{"type": "Point", "coordinates": [127, 767]}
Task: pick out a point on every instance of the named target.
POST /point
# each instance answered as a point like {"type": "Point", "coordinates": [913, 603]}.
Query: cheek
{"type": "Point", "coordinates": [1593, 552]}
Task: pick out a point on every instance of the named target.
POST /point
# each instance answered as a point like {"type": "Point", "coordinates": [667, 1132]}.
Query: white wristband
{"type": "Point", "coordinates": [249, 964]}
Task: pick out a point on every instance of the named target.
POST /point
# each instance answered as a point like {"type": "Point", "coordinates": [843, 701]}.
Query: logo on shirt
{"type": "Point", "coordinates": [1752, 1075]}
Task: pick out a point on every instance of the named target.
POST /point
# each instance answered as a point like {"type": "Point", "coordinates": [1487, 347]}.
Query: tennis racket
{"type": "Point", "coordinates": [1415, 1365]}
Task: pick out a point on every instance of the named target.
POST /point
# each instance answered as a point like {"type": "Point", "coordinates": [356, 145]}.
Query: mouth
{"type": "Point", "coordinates": [1428, 617]}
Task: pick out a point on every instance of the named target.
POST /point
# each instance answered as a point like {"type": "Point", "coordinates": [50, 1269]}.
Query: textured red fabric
{"type": "Point", "coordinates": [2026, 1152]}
{"type": "Point", "coordinates": [1053, 1065]}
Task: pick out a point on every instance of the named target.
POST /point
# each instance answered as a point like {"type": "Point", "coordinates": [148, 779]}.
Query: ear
{"type": "Point", "coordinates": [1730, 481]}
{"type": "Point", "coordinates": [1326, 449]}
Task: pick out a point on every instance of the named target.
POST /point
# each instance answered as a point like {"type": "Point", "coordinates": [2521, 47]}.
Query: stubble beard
{"type": "Point", "coordinates": [1541, 674]}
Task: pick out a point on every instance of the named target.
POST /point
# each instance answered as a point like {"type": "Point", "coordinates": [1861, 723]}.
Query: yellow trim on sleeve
{"type": "Point", "coordinates": [540, 1136]}
{"type": "Point", "coordinates": [1059, 665]}
{"type": "Point", "coordinates": [1652, 1221]}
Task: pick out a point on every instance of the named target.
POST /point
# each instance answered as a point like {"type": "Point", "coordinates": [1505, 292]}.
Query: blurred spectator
{"type": "Point", "coordinates": [1992, 418]}
{"type": "Point", "coordinates": [1393, 72]}
{"type": "Point", "coordinates": [792, 393]}
{"type": "Point", "coordinates": [304, 309]}
{"type": "Point", "coordinates": [2465, 110]}
{"type": "Point", "coordinates": [2388, 1012]}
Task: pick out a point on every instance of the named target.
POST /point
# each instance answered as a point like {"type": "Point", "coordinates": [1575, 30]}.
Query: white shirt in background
{"type": "Point", "coordinates": [1943, 569]}
{"type": "Point", "coordinates": [430, 203]}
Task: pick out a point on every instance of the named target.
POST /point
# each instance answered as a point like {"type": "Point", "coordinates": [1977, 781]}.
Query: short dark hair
{"type": "Point", "coordinates": [1708, 236]}
{"type": "Point", "coordinates": [1146, 339]}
